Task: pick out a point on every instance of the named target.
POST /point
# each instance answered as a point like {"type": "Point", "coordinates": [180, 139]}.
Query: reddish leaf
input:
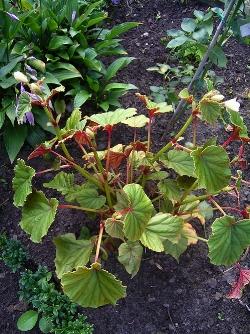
{"type": "Point", "coordinates": [40, 150]}
{"type": "Point", "coordinates": [238, 286]}
{"type": "Point", "coordinates": [115, 159]}
{"type": "Point", "coordinates": [82, 138]}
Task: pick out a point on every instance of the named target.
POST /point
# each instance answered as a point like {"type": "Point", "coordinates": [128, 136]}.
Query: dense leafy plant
{"type": "Point", "coordinates": [139, 198]}
{"type": "Point", "coordinates": [177, 77]}
{"type": "Point", "coordinates": [65, 42]}
{"type": "Point", "coordinates": [55, 311]}
{"type": "Point", "coordinates": [191, 41]}
{"type": "Point", "coordinates": [12, 253]}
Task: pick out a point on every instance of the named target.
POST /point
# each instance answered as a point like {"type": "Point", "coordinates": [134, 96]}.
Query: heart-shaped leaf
{"type": "Point", "coordinates": [180, 161]}
{"type": "Point", "coordinates": [130, 254]}
{"type": "Point", "coordinates": [114, 228]}
{"type": "Point", "coordinates": [71, 253]}
{"type": "Point", "coordinates": [38, 214]}
{"type": "Point", "coordinates": [92, 287]}
{"type": "Point", "coordinates": [22, 182]}
{"type": "Point", "coordinates": [62, 182]}
{"type": "Point", "coordinates": [228, 240]}
{"type": "Point", "coordinates": [161, 227]}
{"type": "Point", "coordinates": [137, 208]}
{"type": "Point", "coordinates": [212, 168]}
{"type": "Point", "coordinates": [113, 117]}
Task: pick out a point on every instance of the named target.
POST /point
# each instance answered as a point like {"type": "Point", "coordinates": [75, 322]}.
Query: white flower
{"type": "Point", "coordinates": [232, 104]}
{"type": "Point", "coordinates": [20, 77]}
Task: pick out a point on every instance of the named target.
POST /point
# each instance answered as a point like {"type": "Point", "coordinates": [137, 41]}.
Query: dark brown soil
{"type": "Point", "coordinates": [165, 297]}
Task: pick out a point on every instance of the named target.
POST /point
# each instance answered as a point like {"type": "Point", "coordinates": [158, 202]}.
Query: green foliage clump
{"type": "Point", "coordinates": [12, 253]}
{"type": "Point", "coordinates": [60, 314]}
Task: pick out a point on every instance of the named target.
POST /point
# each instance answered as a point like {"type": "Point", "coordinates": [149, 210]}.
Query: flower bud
{"type": "Point", "coordinates": [20, 77]}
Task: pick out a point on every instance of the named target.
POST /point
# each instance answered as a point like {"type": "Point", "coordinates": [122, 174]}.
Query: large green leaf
{"type": "Point", "coordinates": [113, 117]}
{"type": "Point", "coordinates": [138, 209]}
{"type": "Point", "coordinates": [188, 24]}
{"type": "Point", "coordinates": [160, 227]}
{"type": "Point", "coordinates": [228, 240]}
{"type": "Point", "coordinates": [212, 168]}
{"type": "Point", "coordinates": [178, 41]}
{"type": "Point", "coordinates": [75, 122]}
{"type": "Point", "coordinates": [71, 253]}
{"type": "Point", "coordinates": [22, 182]}
{"type": "Point", "coordinates": [217, 56]}
{"type": "Point", "coordinates": [117, 86]}
{"type": "Point", "coordinates": [180, 161]}
{"type": "Point", "coordinates": [23, 107]}
{"type": "Point", "coordinates": [117, 65]}
{"type": "Point", "coordinates": [92, 287]}
{"type": "Point", "coordinates": [87, 196]}
{"type": "Point", "coordinates": [57, 42]}
{"type": "Point", "coordinates": [121, 29]}
{"type": "Point", "coordinates": [130, 254]}
{"type": "Point", "coordinates": [176, 249]}
{"type": "Point", "coordinates": [27, 321]}
{"type": "Point", "coordinates": [80, 98]}
{"type": "Point", "coordinates": [62, 182]}
{"type": "Point", "coordinates": [138, 121]}
{"type": "Point", "coordinates": [210, 110]}
{"type": "Point", "coordinates": [37, 215]}
{"type": "Point", "coordinates": [170, 189]}
{"type": "Point", "coordinates": [114, 228]}
{"type": "Point", "coordinates": [14, 137]}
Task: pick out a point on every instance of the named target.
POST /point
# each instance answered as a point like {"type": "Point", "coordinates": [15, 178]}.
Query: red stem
{"type": "Point", "coordinates": [231, 138]}
{"type": "Point", "coordinates": [52, 169]}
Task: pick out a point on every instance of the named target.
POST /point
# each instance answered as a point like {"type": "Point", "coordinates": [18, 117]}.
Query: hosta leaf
{"type": "Point", "coordinates": [22, 182]}
{"type": "Point", "coordinates": [27, 321]}
{"type": "Point", "coordinates": [117, 65]}
{"type": "Point", "coordinates": [37, 215]}
{"type": "Point", "coordinates": [210, 110]}
{"type": "Point", "coordinates": [71, 253]}
{"type": "Point", "coordinates": [23, 107]}
{"type": "Point", "coordinates": [228, 240]}
{"type": "Point", "coordinates": [121, 29]}
{"type": "Point", "coordinates": [113, 117]}
{"type": "Point", "coordinates": [62, 182]}
{"type": "Point", "coordinates": [180, 161]}
{"type": "Point", "coordinates": [87, 197]}
{"type": "Point", "coordinates": [58, 41]}
{"type": "Point", "coordinates": [130, 254]}
{"type": "Point", "coordinates": [138, 121]}
{"type": "Point", "coordinates": [161, 227]}
{"type": "Point", "coordinates": [119, 86]}
{"type": "Point", "coordinates": [114, 228]}
{"type": "Point", "coordinates": [138, 211]}
{"type": "Point", "coordinates": [14, 137]}
{"type": "Point", "coordinates": [212, 168]}
{"type": "Point", "coordinates": [92, 287]}
{"type": "Point", "coordinates": [80, 98]}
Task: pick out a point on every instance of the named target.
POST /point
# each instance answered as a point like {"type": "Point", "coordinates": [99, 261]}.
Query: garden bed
{"type": "Point", "coordinates": [164, 297]}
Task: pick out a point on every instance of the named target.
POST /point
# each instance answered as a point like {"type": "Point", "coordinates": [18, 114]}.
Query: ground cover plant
{"type": "Point", "coordinates": [139, 198]}
{"type": "Point", "coordinates": [51, 310]}
{"type": "Point", "coordinates": [64, 42]}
